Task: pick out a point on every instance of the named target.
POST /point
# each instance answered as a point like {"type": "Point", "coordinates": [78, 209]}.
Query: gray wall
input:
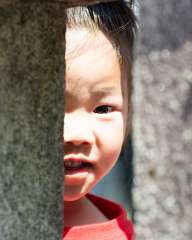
{"type": "Point", "coordinates": [162, 124]}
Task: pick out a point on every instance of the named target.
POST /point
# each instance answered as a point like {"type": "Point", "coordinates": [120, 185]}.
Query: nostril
{"type": "Point", "coordinates": [77, 142]}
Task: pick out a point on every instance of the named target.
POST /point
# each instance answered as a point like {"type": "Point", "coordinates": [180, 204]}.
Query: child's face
{"type": "Point", "coordinates": [94, 112]}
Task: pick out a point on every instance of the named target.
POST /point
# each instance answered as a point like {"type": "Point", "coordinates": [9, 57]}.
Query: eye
{"type": "Point", "coordinates": [103, 109]}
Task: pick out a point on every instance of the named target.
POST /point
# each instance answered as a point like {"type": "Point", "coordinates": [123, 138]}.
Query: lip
{"type": "Point", "coordinates": [88, 162]}
{"type": "Point", "coordinates": [77, 159]}
{"type": "Point", "coordinates": [77, 177]}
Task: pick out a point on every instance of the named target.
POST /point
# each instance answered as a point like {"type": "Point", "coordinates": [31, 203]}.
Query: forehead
{"type": "Point", "coordinates": [84, 41]}
{"type": "Point", "coordinates": [90, 59]}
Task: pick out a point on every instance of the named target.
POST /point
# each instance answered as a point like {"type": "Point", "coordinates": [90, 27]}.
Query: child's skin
{"type": "Point", "coordinates": [94, 119]}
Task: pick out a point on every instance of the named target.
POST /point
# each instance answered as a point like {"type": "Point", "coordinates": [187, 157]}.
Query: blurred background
{"type": "Point", "coordinates": [153, 177]}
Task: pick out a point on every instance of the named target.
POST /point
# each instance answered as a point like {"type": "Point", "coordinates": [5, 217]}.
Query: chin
{"type": "Point", "coordinates": [70, 199]}
{"type": "Point", "coordinates": [73, 196]}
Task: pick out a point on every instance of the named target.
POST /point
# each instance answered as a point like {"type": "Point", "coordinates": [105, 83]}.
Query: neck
{"type": "Point", "coordinates": [82, 212]}
{"type": "Point", "coordinates": [73, 211]}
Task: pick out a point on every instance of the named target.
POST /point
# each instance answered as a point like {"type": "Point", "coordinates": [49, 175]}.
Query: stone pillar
{"type": "Point", "coordinates": [163, 122]}
{"type": "Point", "coordinates": [73, 3]}
{"type": "Point", "coordinates": [31, 120]}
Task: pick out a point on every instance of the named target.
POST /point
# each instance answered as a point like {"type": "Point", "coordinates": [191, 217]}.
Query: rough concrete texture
{"type": "Point", "coordinates": [162, 122]}
{"type": "Point", "coordinates": [31, 121]}
{"type": "Point", "coordinates": [73, 3]}
{"type": "Point", "coordinates": [66, 3]}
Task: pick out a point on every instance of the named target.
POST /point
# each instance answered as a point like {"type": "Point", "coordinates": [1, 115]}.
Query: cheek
{"type": "Point", "coordinates": [111, 131]}
{"type": "Point", "coordinates": [111, 137]}
{"type": "Point", "coordinates": [109, 156]}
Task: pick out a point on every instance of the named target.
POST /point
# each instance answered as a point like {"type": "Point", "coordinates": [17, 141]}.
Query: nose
{"type": "Point", "coordinates": [77, 130]}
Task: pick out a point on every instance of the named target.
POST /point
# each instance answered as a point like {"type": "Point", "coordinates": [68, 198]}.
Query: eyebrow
{"type": "Point", "coordinates": [70, 96]}
{"type": "Point", "coordinates": [102, 91]}
{"type": "Point", "coordinates": [97, 92]}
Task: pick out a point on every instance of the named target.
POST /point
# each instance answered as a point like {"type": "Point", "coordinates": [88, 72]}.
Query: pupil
{"type": "Point", "coordinates": [103, 109]}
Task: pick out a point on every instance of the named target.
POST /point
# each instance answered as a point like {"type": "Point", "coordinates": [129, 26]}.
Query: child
{"type": "Point", "coordinates": [99, 45]}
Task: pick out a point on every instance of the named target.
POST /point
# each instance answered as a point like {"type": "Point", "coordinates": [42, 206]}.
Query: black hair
{"type": "Point", "coordinates": [118, 22]}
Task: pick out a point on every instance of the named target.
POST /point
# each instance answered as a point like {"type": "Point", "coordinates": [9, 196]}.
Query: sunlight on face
{"type": "Point", "coordinates": [94, 112]}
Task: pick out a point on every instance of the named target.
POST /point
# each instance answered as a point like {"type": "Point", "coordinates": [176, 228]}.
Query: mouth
{"type": "Point", "coordinates": [72, 165]}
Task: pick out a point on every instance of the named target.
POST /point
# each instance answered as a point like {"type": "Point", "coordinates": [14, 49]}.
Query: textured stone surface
{"type": "Point", "coordinates": [31, 121]}
{"type": "Point", "coordinates": [163, 122]}
{"type": "Point", "coordinates": [66, 3]}
{"type": "Point", "coordinates": [72, 3]}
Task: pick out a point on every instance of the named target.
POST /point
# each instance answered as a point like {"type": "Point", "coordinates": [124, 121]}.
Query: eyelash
{"type": "Point", "coordinates": [103, 109]}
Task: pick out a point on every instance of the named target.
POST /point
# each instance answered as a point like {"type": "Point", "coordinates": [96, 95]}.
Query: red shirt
{"type": "Point", "coordinates": [117, 228]}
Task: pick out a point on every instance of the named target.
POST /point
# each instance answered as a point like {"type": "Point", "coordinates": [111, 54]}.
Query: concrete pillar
{"type": "Point", "coordinates": [73, 3]}
{"type": "Point", "coordinates": [31, 120]}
